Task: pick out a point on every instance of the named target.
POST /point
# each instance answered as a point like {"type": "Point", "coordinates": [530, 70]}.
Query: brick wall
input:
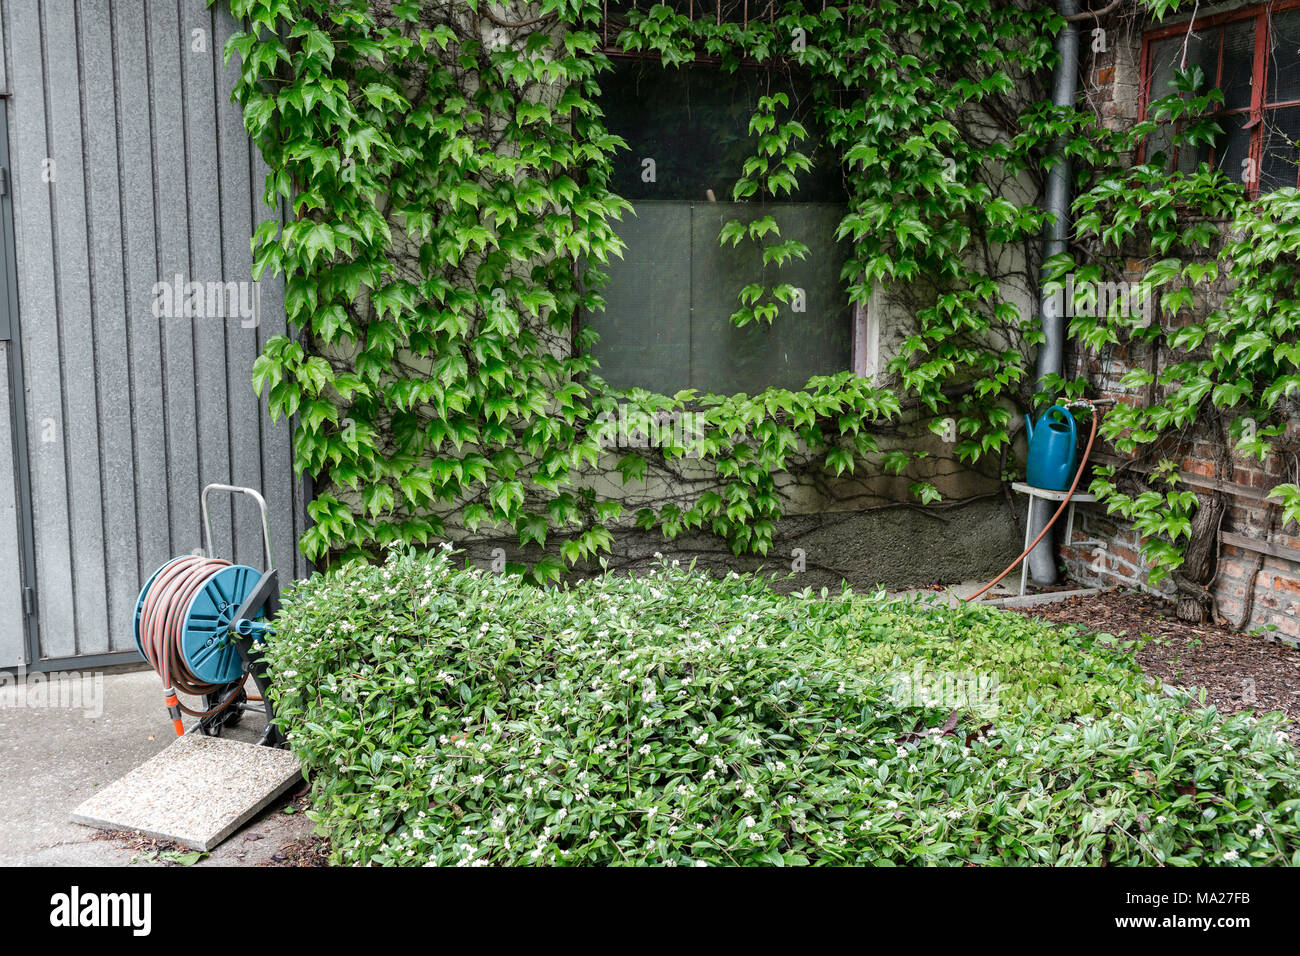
{"type": "Point", "coordinates": [1256, 574]}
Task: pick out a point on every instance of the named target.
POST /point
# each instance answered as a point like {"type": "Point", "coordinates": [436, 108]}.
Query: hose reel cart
{"type": "Point", "coordinates": [200, 621]}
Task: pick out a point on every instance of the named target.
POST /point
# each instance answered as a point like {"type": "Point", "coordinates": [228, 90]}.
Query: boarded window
{"type": "Point", "coordinates": [669, 300]}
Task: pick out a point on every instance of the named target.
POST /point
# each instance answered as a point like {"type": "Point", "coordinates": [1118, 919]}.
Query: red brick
{"type": "Point", "coordinates": [1231, 569]}
{"type": "Point", "coordinates": [1290, 585]}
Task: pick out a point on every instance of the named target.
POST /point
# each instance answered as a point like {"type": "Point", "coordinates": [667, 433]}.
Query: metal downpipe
{"type": "Point", "coordinates": [1042, 560]}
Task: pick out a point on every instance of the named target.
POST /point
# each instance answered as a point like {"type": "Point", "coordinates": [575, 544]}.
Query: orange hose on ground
{"type": "Point", "coordinates": [1064, 504]}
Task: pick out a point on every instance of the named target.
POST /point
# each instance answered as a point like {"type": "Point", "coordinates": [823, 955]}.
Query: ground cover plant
{"type": "Point", "coordinates": [451, 716]}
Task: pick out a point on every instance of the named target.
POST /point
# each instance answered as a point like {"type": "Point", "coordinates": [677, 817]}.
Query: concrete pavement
{"type": "Point", "coordinates": [60, 739]}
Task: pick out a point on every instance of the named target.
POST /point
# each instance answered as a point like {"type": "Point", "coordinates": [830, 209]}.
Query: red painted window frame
{"type": "Point", "coordinates": [1259, 107]}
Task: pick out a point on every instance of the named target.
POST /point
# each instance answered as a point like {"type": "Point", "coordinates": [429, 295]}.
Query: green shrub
{"type": "Point", "coordinates": [455, 717]}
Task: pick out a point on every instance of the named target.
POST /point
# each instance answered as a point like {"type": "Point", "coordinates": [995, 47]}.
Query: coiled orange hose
{"type": "Point", "coordinates": [162, 623]}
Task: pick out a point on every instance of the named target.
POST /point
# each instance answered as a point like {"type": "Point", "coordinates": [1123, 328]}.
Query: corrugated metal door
{"type": "Point", "coordinates": [16, 554]}
{"type": "Point", "coordinates": [13, 636]}
{"type": "Point", "coordinates": [135, 193]}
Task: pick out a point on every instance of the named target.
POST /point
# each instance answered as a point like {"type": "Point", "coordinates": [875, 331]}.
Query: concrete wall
{"type": "Point", "coordinates": [890, 546]}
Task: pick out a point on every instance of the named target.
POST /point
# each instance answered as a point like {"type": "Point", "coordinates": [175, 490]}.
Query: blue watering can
{"type": "Point", "coordinates": [1053, 449]}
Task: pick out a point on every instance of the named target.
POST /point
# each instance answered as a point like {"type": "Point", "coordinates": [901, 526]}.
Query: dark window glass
{"type": "Point", "coordinates": [1238, 64]}
{"type": "Point", "coordinates": [1284, 58]}
{"type": "Point", "coordinates": [1167, 59]}
{"type": "Point", "coordinates": [1233, 147]}
{"type": "Point", "coordinates": [1279, 156]}
{"type": "Point", "coordinates": [1166, 55]}
{"type": "Point", "coordinates": [1225, 55]}
{"type": "Point", "coordinates": [692, 123]}
{"type": "Point", "coordinates": [719, 11]}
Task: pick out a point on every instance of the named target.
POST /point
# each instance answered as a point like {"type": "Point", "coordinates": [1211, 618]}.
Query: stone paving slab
{"type": "Point", "coordinates": [196, 792]}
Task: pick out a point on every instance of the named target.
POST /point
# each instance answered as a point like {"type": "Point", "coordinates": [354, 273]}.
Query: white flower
{"type": "Point", "coordinates": [1230, 855]}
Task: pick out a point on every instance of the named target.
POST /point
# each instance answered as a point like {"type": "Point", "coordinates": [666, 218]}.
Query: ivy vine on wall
{"type": "Point", "coordinates": [448, 180]}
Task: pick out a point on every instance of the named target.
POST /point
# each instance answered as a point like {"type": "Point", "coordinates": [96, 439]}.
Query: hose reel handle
{"type": "Point", "coordinates": [235, 490]}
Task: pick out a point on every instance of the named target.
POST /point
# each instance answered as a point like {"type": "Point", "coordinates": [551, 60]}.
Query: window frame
{"type": "Point", "coordinates": [1261, 14]}
{"type": "Point", "coordinates": [865, 321]}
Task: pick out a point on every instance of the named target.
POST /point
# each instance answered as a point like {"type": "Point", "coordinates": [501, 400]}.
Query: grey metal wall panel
{"type": "Point", "coordinates": [131, 413]}
{"type": "Point", "coordinates": [12, 636]}
{"type": "Point", "coordinates": [76, 329]}
{"type": "Point", "coordinates": [139, 272]}
{"type": "Point", "coordinates": [4, 58]}
{"type": "Point", "coordinates": [112, 357]}
{"type": "Point", "coordinates": [287, 504]}
{"type": "Point", "coordinates": [236, 226]}
{"type": "Point", "coordinates": [38, 303]}
{"type": "Point", "coordinates": [200, 112]}
{"type": "Point", "coordinates": [171, 220]}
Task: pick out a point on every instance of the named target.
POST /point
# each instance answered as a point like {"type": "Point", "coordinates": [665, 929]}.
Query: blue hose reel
{"type": "Point", "coordinates": [209, 650]}
{"type": "Point", "coordinates": [224, 619]}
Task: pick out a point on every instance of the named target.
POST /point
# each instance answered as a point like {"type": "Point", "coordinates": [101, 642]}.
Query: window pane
{"type": "Point", "coordinates": [645, 330]}
{"type": "Point", "coordinates": [670, 298]}
{"type": "Point", "coordinates": [1165, 57]}
{"type": "Point", "coordinates": [1233, 148]}
{"type": "Point", "coordinates": [620, 8]}
{"type": "Point", "coordinates": [1167, 60]}
{"type": "Point", "coordinates": [1191, 155]}
{"type": "Point", "coordinates": [667, 322]}
{"type": "Point", "coordinates": [1280, 156]}
{"type": "Point", "coordinates": [1228, 152]}
{"type": "Point", "coordinates": [1203, 51]}
{"type": "Point", "coordinates": [1160, 142]}
{"type": "Point", "coordinates": [687, 131]}
{"type": "Point", "coordinates": [726, 358]}
{"type": "Point", "coordinates": [1284, 58]}
{"type": "Point", "coordinates": [1238, 64]}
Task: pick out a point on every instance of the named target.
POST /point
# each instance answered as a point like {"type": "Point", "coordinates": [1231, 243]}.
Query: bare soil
{"type": "Point", "coordinates": [1238, 671]}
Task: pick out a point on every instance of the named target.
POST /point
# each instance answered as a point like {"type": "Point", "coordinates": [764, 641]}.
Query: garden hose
{"type": "Point", "coordinates": [1083, 464]}
{"type": "Point", "coordinates": [163, 613]}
